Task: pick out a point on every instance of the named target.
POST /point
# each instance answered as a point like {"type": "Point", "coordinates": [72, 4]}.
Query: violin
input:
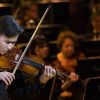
{"type": "Point", "coordinates": [4, 63]}
{"type": "Point", "coordinates": [32, 67]}
{"type": "Point", "coordinates": [5, 60]}
{"type": "Point", "coordinates": [28, 66]}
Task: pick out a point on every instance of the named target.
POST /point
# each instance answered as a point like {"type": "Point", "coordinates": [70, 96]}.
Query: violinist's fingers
{"type": "Point", "coordinates": [50, 71]}
{"type": "Point", "coordinates": [74, 76]}
{"type": "Point", "coordinates": [47, 68]}
{"type": "Point", "coordinates": [44, 77]}
{"type": "Point", "coordinates": [8, 80]}
{"type": "Point", "coordinates": [7, 77]}
{"type": "Point", "coordinates": [77, 77]}
{"type": "Point", "coordinates": [45, 71]}
{"type": "Point", "coordinates": [53, 72]}
{"type": "Point", "coordinates": [10, 77]}
{"type": "Point", "coordinates": [5, 81]}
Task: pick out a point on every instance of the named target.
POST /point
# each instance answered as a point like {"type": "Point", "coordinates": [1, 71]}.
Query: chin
{"type": "Point", "coordinates": [69, 55]}
{"type": "Point", "coordinates": [44, 56]}
{"type": "Point", "coordinates": [2, 53]}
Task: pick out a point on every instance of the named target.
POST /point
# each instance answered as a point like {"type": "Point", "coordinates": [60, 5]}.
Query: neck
{"type": "Point", "coordinates": [62, 55]}
{"type": "Point", "coordinates": [66, 57]}
{"type": "Point", "coordinates": [39, 57]}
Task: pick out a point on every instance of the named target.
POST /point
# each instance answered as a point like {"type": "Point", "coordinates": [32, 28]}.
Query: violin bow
{"type": "Point", "coordinates": [30, 41]}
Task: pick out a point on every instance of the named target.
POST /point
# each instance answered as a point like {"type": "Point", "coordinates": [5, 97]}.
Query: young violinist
{"type": "Point", "coordinates": [30, 80]}
{"type": "Point", "coordinates": [9, 32]}
{"type": "Point", "coordinates": [40, 50]}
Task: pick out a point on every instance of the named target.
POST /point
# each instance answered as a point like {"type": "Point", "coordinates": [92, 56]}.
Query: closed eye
{"type": "Point", "coordinates": [10, 42]}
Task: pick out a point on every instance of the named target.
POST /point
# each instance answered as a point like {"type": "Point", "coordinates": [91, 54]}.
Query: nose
{"type": "Point", "coordinates": [45, 48]}
{"type": "Point", "coordinates": [10, 46]}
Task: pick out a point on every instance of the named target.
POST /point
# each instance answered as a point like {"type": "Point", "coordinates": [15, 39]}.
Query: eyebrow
{"type": "Point", "coordinates": [11, 41]}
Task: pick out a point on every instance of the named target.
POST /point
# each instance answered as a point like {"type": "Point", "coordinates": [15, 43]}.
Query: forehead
{"type": "Point", "coordinates": [68, 40]}
{"type": "Point", "coordinates": [12, 38]}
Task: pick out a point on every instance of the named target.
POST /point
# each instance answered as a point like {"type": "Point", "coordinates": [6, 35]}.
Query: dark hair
{"type": "Point", "coordinates": [9, 27]}
{"type": "Point", "coordinates": [68, 35]}
{"type": "Point", "coordinates": [39, 41]}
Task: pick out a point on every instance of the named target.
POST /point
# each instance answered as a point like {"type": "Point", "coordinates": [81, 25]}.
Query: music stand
{"type": "Point", "coordinates": [89, 70]}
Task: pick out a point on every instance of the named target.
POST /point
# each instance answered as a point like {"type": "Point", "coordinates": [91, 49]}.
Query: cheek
{"type": "Point", "coordinates": [41, 51]}
{"type": "Point", "coordinates": [46, 50]}
{"type": "Point", "coordinates": [12, 46]}
{"type": "Point", "coordinates": [64, 48]}
{"type": "Point", "coordinates": [71, 50]}
{"type": "Point", "coordinates": [3, 45]}
{"type": "Point", "coordinates": [68, 50]}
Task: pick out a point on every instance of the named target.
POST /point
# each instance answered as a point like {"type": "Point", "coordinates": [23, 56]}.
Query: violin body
{"type": "Point", "coordinates": [4, 63]}
{"type": "Point", "coordinates": [30, 68]}
{"type": "Point", "coordinates": [5, 60]}
{"type": "Point", "coordinates": [7, 65]}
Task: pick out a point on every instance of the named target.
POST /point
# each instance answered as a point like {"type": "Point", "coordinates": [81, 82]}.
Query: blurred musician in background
{"type": "Point", "coordinates": [27, 15]}
{"type": "Point", "coordinates": [67, 43]}
{"type": "Point", "coordinates": [95, 20]}
{"type": "Point", "coordinates": [31, 15]}
{"type": "Point", "coordinates": [39, 47]}
{"type": "Point", "coordinates": [68, 58]}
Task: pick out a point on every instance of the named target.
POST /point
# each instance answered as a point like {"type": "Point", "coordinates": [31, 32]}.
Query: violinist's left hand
{"type": "Point", "coordinates": [48, 73]}
{"type": "Point", "coordinates": [74, 77]}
